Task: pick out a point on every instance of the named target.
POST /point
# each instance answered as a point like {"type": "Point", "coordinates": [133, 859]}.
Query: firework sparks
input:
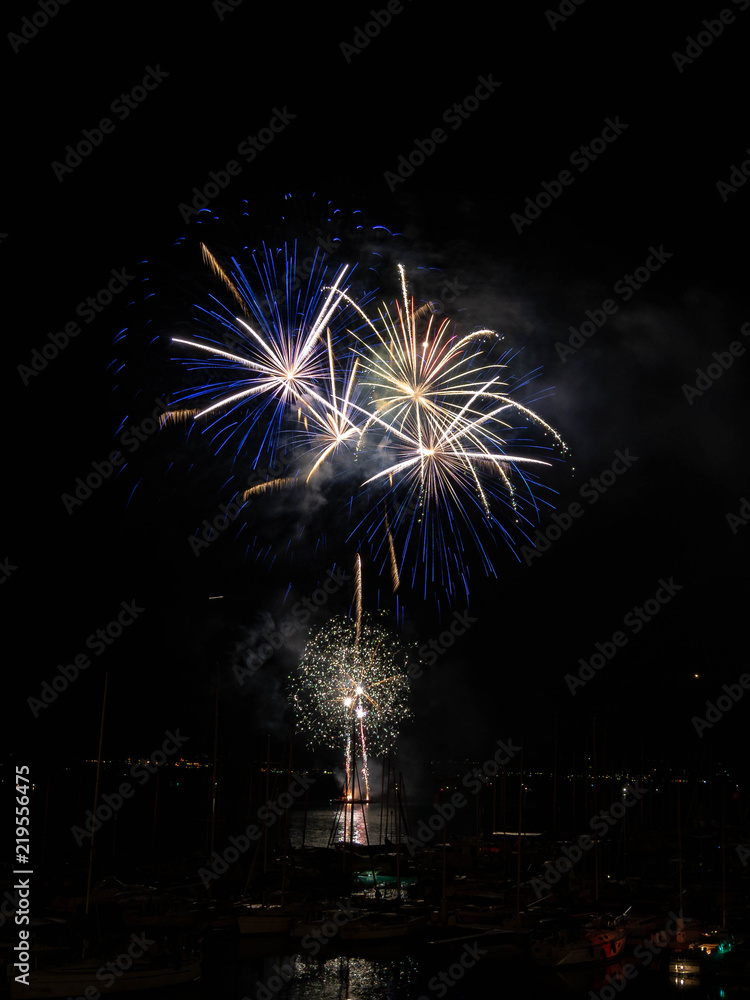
{"type": "Point", "coordinates": [220, 273]}
{"type": "Point", "coordinates": [446, 422]}
{"type": "Point", "coordinates": [351, 680]}
{"type": "Point", "coordinates": [176, 417]}
{"type": "Point", "coordinates": [422, 424]}
{"type": "Point", "coordinates": [275, 359]}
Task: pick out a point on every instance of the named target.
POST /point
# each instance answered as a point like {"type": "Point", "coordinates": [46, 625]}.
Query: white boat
{"type": "Point", "coordinates": [254, 918]}
{"type": "Point", "coordinates": [381, 927]}
{"type": "Point", "coordinates": [652, 928]}
{"type": "Point", "coordinates": [701, 954]}
{"type": "Point", "coordinates": [515, 834]}
{"type": "Point", "coordinates": [75, 978]}
{"type": "Point", "coordinates": [585, 946]}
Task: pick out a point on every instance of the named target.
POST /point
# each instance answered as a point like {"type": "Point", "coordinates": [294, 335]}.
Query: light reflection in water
{"type": "Point", "coordinates": [354, 822]}
{"type": "Point", "coordinates": [348, 977]}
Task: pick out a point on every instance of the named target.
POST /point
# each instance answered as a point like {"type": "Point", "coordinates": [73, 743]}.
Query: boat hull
{"type": "Point", "coordinates": [75, 979]}
{"type": "Point", "coordinates": [268, 920]}
{"type": "Point", "coordinates": [595, 948]}
{"type": "Point", "coordinates": [381, 928]}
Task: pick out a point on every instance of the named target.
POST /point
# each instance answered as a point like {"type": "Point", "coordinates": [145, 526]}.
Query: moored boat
{"type": "Point", "coordinates": [90, 977]}
{"type": "Point", "coordinates": [702, 954]}
{"type": "Point", "coordinates": [381, 927]}
{"type": "Point", "coordinates": [254, 918]}
{"type": "Point", "coordinates": [570, 945]}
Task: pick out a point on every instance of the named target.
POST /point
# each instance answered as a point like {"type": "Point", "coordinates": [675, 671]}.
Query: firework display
{"type": "Point", "coordinates": [270, 361]}
{"type": "Point", "coordinates": [350, 691]}
{"type": "Point", "coordinates": [441, 419]}
{"type": "Point", "coordinates": [422, 424]}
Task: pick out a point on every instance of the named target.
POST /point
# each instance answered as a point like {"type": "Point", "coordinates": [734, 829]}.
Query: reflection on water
{"type": "Point", "coordinates": [337, 823]}
{"type": "Point", "coordinates": [334, 978]}
{"type": "Point", "coordinates": [354, 821]}
{"type": "Point", "coordinates": [465, 971]}
{"type": "Point", "coordinates": [270, 968]}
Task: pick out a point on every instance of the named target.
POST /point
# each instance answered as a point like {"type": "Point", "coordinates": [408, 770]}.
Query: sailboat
{"type": "Point", "coordinates": [382, 927]}
{"type": "Point", "coordinates": [583, 939]}
{"type": "Point", "coordinates": [573, 943]}
{"type": "Point", "coordinates": [80, 978]}
{"type": "Point", "coordinates": [703, 950]}
{"type": "Point", "coordinates": [262, 917]}
{"type": "Point", "coordinates": [257, 918]}
{"type": "Point", "coordinates": [695, 950]}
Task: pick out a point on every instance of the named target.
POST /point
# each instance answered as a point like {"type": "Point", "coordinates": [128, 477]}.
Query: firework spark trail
{"type": "Point", "coordinates": [360, 712]}
{"type": "Point", "coordinates": [272, 484]}
{"type": "Point", "coordinates": [176, 417]}
{"type": "Point", "coordinates": [335, 423]}
{"type": "Point", "coordinates": [365, 772]}
{"type": "Point", "coordinates": [348, 789]}
{"type": "Point", "coordinates": [220, 273]}
{"type": "Point", "coordinates": [358, 597]}
{"type": "Point", "coordinates": [395, 581]}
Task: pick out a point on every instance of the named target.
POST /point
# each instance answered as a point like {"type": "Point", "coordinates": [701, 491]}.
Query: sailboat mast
{"type": "Point", "coordinates": [215, 771]}
{"type": "Point", "coordinates": [96, 794]}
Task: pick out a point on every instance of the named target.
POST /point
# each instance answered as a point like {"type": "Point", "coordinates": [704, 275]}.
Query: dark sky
{"type": "Point", "coordinates": [519, 96]}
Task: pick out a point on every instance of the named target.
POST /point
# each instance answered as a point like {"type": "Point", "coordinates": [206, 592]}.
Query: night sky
{"type": "Point", "coordinates": [632, 138]}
